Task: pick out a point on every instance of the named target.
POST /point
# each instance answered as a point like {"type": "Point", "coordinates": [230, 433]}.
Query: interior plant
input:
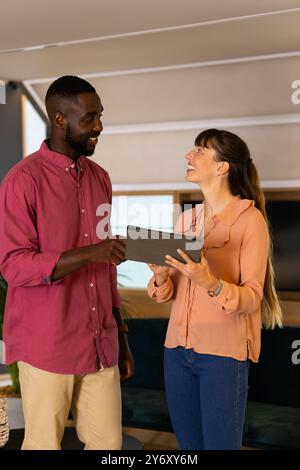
{"type": "Point", "coordinates": [13, 368]}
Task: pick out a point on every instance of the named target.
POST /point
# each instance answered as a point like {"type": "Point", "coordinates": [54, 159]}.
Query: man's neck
{"type": "Point", "coordinates": [62, 148]}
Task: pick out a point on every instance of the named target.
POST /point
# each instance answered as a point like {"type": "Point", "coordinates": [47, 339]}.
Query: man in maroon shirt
{"type": "Point", "coordinates": [62, 320]}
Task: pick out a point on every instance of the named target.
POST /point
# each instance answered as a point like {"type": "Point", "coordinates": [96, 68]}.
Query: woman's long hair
{"type": "Point", "coordinates": [244, 181]}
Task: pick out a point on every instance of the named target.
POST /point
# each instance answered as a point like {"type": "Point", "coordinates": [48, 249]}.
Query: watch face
{"type": "Point", "coordinates": [214, 293]}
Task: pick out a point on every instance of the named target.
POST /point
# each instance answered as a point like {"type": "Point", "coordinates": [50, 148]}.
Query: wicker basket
{"type": "Point", "coordinates": [4, 430]}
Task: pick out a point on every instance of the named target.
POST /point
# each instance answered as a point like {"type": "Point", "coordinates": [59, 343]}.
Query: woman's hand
{"type": "Point", "coordinates": [161, 273]}
{"type": "Point", "coordinates": [200, 273]}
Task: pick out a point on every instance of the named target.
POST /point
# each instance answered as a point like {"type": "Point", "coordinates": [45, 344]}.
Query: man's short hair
{"type": "Point", "coordinates": [69, 86]}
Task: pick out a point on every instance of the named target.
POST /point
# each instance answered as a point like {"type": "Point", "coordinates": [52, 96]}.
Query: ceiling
{"type": "Point", "coordinates": [26, 23]}
{"type": "Point", "coordinates": [104, 36]}
{"type": "Point", "coordinates": [196, 93]}
{"type": "Point", "coordinates": [163, 65]}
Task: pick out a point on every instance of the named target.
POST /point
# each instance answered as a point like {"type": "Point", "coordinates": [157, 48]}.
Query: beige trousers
{"type": "Point", "coordinates": [95, 401]}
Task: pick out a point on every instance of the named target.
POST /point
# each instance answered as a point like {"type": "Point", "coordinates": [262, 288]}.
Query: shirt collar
{"type": "Point", "coordinates": [233, 210]}
{"type": "Point", "coordinates": [219, 233]}
{"type": "Point", "coordinates": [190, 223]}
{"type": "Point", "coordinates": [58, 159]}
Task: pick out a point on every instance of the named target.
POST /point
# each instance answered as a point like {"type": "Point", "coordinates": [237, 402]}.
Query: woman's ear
{"type": "Point", "coordinates": [222, 168]}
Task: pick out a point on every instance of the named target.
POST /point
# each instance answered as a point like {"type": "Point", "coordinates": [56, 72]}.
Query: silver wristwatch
{"type": "Point", "coordinates": [214, 293]}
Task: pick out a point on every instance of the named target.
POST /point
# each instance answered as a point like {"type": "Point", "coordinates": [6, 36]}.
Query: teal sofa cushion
{"type": "Point", "coordinates": [145, 408]}
{"type": "Point", "coordinates": [270, 426]}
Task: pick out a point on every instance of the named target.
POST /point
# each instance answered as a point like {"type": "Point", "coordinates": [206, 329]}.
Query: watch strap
{"type": "Point", "coordinates": [216, 292]}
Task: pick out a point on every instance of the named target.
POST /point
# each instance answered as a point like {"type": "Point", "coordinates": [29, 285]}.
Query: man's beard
{"type": "Point", "coordinates": [80, 147]}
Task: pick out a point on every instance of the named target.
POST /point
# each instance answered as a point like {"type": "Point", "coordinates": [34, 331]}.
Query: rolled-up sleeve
{"type": "Point", "coordinates": [163, 293]}
{"type": "Point", "coordinates": [247, 296]}
{"type": "Point", "coordinates": [21, 262]}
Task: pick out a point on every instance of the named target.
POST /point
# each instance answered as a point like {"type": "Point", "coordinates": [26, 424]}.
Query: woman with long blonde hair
{"type": "Point", "coordinates": [220, 303]}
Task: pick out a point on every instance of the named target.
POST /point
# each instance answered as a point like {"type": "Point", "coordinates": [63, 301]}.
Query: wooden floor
{"type": "Point", "coordinates": [153, 440]}
{"type": "Point", "coordinates": [156, 440]}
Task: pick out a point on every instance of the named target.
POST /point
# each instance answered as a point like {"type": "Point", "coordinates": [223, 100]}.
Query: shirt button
{"type": "Point", "coordinates": [91, 284]}
{"type": "Point", "coordinates": [83, 211]}
{"type": "Point", "coordinates": [94, 308]}
{"type": "Point", "coordinates": [86, 235]}
{"type": "Point", "coordinates": [72, 166]}
{"type": "Point", "coordinates": [67, 169]}
{"type": "Point", "coordinates": [96, 332]}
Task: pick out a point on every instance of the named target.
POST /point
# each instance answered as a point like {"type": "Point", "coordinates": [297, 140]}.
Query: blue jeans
{"type": "Point", "coordinates": [206, 398]}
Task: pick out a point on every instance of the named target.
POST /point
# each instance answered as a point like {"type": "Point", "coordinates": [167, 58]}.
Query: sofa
{"type": "Point", "coordinates": [273, 408]}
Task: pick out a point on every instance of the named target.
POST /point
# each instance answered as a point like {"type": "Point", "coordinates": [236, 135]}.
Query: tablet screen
{"type": "Point", "coordinates": [151, 246]}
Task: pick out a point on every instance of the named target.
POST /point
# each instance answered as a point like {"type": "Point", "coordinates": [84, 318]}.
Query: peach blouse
{"type": "Point", "coordinates": [236, 247]}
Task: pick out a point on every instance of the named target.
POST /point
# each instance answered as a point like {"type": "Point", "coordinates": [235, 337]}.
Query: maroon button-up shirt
{"type": "Point", "coordinates": [49, 205]}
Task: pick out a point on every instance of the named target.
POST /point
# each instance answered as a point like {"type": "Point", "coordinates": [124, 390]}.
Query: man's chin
{"type": "Point", "coordinates": [88, 152]}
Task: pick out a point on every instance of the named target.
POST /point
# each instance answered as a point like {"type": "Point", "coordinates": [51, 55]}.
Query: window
{"type": "Point", "coordinates": [148, 211]}
{"type": "Point", "coordinates": [34, 128]}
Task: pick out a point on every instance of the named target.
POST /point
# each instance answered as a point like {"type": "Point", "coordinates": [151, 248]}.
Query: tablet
{"type": "Point", "coordinates": [151, 246]}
